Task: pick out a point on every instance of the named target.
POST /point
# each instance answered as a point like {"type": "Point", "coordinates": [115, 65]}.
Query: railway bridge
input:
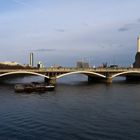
{"type": "Point", "coordinates": [94, 74]}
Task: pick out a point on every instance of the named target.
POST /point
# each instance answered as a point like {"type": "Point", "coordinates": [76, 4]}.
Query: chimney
{"type": "Point", "coordinates": [138, 44]}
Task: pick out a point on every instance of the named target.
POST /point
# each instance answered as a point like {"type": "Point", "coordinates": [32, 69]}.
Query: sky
{"type": "Point", "coordinates": [65, 31]}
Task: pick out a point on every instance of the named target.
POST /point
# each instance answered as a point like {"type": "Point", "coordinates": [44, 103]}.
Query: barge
{"type": "Point", "coordinates": [33, 87]}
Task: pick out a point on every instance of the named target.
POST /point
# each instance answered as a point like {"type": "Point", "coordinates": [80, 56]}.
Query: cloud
{"type": "Point", "coordinates": [138, 20]}
{"type": "Point", "coordinates": [59, 30]}
{"type": "Point", "coordinates": [85, 24]}
{"type": "Point", "coordinates": [123, 29]}
{"type": "Point", "coordinates": [21, 2]}
{"type": "Point", "coordinates": [130, 26]}
{"type": "Point", "coordinates": [44, 50]}
{"type": "Point", "coordinates": [127, 27]}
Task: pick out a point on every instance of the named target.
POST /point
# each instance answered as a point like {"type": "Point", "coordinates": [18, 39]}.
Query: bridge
{"type": "Point", "coordinates": [94, 74]}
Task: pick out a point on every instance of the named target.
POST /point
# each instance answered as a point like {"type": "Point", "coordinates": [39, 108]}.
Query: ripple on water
{"type": "Point", "coordinates": [72, 112]}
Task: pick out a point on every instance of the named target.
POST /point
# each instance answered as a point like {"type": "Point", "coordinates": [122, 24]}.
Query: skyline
{"type": "Point", "coordinates": [69, 30]}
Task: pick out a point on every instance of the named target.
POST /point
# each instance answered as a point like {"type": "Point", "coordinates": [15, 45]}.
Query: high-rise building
{"type": "Point", "coordinates": [31, 60]}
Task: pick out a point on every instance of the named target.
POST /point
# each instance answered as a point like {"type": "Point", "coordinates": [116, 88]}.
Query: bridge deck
{"type": "Point", "coordinates": [112, 70]}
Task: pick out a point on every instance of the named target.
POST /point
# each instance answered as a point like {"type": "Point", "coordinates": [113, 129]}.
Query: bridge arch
{"type": "Point", "coordinates": [23, 72]}
{"type": "Point", "coordinates": [82, 72]}
{"type": "Point", "coordinates": [126, 72]}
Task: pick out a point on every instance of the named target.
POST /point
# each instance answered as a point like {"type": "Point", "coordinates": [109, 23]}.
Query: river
{"type": "Point", "coordinates": [76, 110]}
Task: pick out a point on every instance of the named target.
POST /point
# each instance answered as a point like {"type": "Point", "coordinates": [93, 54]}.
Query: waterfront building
{"type": "Point", "coordinates": [10, 63]}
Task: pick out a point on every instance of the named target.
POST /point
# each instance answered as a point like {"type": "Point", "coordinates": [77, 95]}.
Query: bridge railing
{"type": "Point", "coordinates": [93, 69]}
{"type": "Point", "coordinates": [70, 69]}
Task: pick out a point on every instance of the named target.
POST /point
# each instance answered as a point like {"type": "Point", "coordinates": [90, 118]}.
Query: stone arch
{"type": "Point", "coordinates": [23, 72]}
{"type": "Point", "coordinates": [126, 72]}
{"type": "Point", "coordinates": [82, 72]}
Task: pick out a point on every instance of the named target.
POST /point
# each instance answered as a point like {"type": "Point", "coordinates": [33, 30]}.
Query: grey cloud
{"type": "Point", "coordinates": [44, 50]}
{"type": "Point", "coordinates": [59, 30]}
{"type": "Point", "coordinates": [138, 20]}
{"type": "Point", "coordinates": [85, 24]}
{"type": "Point", "coordinates": [21, 2]}
{"type": "Point", "coordinates": [130, 26]}
{"type": "Point", "coordinates": [123, 29]}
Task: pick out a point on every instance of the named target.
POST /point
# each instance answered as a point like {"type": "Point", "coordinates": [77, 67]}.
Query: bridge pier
{"type": "Point", "coordinates": [50, 81]}
{"type": "Point", "coordinates": [108, 80]}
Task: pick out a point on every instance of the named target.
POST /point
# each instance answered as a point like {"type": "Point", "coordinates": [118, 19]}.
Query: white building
{"type": "Point", "coordinates": [10, 63]}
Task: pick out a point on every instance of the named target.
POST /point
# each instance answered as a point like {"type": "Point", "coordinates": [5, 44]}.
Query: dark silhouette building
{"type": "Point", "coordinates": [136, 64]}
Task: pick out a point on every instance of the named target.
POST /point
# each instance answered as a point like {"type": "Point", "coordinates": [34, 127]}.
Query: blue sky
{"type": "Point", "coordinates": [64, 31]}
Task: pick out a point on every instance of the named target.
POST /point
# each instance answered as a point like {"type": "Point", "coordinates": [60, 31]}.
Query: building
{"type": "Point", "coordinates": [40, 65]}
{"type": "Point", "coordinates": [136, 64]}
{"type": "Point", "coordinates": [31, 63]}
{"type": "Point", "coordinates": [10, 63]}
{"type": "Point", "coordinates": [81, 64]}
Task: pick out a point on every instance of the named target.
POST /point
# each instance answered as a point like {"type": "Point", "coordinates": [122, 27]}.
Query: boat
{"type": "Point", "coordinates": [33, 87]}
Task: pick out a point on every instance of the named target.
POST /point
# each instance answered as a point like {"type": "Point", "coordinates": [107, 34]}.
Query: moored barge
{"type": "Point", "coordinates": [33, 87]}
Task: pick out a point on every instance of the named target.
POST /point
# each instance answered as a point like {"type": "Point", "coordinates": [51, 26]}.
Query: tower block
{"type": "Point", "coordinates": [31, 63]}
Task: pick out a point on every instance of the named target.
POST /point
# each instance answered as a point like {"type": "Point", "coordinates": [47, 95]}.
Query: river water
{"type": "Point", "coordinates": [76, 110]}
